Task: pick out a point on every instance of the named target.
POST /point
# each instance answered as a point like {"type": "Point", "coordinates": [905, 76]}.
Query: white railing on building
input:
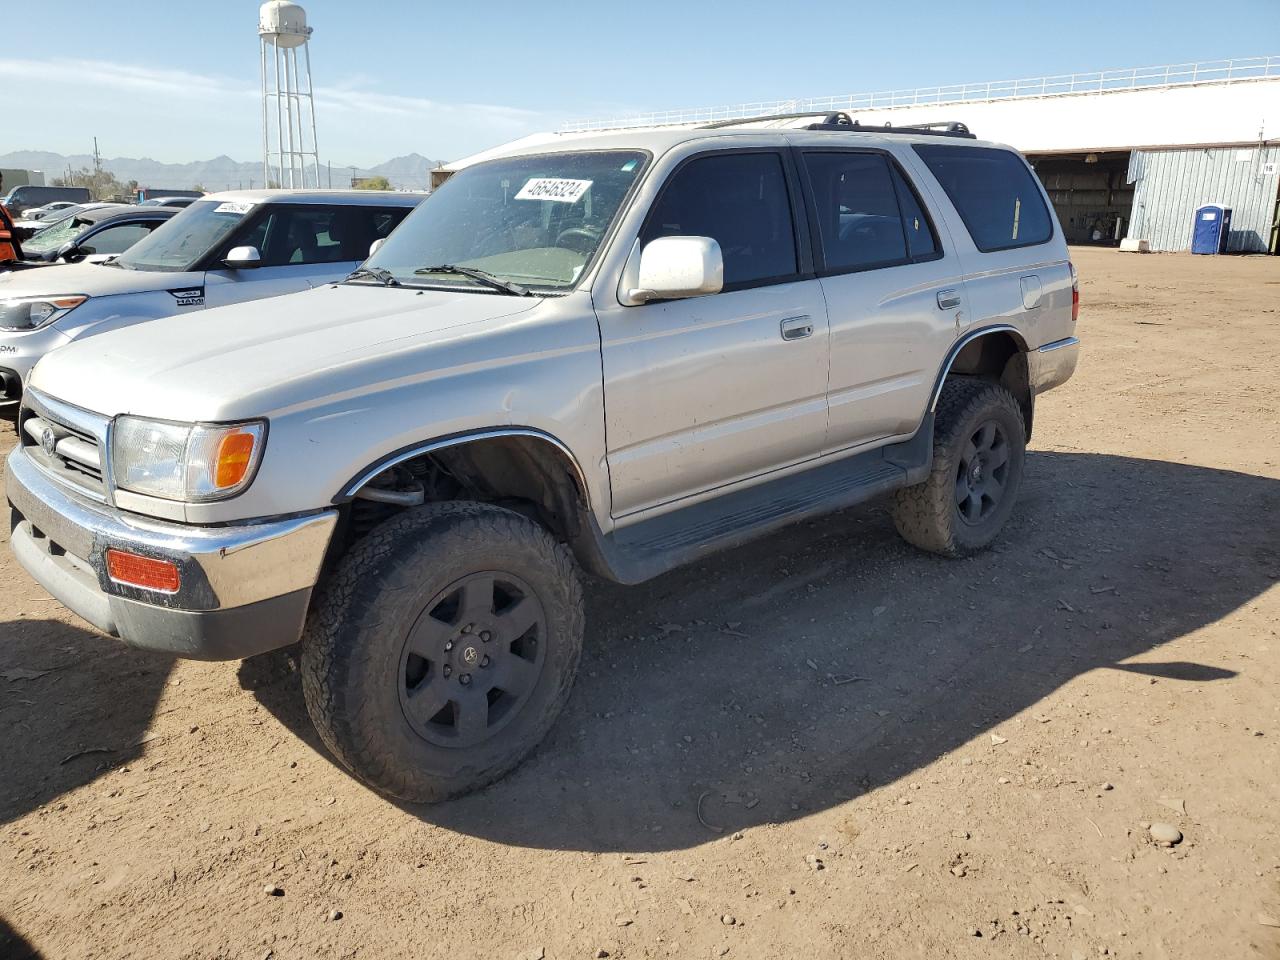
{"type": "Point", "coordinates": [1100, 81]}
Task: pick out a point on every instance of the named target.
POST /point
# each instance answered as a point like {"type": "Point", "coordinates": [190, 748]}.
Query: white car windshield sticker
{"type": "Point", "coordinates": [553, 188]}
{"type": "Point", "coordinates": [233, 206]}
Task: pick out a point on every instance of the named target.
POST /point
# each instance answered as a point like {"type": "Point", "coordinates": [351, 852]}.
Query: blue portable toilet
{"type": "Point", "coordinates": [1209, 234]}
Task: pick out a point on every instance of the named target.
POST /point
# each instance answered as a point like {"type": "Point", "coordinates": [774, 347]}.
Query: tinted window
{"type": "Point", "coordinates": [922, 243]}
{"type": "Point", "coordinates": [995, 193]}
{"type": "Point", "coordinates": [117, 239]}
{"type": "Point", "coordinates": [318, 234]}
{"type": "Point", "coordinates": [739, 200]}
{"type": "Point", "coordinates": [857, 210]}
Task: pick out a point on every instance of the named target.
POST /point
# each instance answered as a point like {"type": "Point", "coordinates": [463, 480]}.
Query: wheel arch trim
{"type": "Point", "coordinates": [404, 454]}
{"type": "Point", "coordinates": [963, 342]}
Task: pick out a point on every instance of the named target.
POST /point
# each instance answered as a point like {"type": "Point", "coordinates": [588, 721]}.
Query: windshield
{"type": "Point", "coordinates": [55, 235]}
{"type": "Point", "coordinates": [536, 221]}
{"type": "Point", "coordinates": [183, 241]}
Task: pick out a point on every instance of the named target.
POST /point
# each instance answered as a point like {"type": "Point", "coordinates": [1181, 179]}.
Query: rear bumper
{"type": "Point", "coordinates": [244, 589]}
{"type": "Point", "coordinates": [1052, 365]}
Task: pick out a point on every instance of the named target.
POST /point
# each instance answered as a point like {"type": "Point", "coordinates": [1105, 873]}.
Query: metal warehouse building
{"type": "Point", "coordinates": [1122, 153]}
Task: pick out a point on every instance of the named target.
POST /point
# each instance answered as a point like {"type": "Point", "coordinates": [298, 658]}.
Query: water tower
{"type": "Point", "coordinates": [288, 108]}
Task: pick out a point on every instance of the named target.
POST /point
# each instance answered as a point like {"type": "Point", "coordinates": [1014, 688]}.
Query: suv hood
{"type": "Point", "coordinates": [255, 359]}
{"type": "Point", "coordinates": [91, 279]}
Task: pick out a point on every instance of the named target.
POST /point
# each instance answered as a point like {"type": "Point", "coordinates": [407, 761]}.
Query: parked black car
{"type": "Point", "coordinates": [94, 233]}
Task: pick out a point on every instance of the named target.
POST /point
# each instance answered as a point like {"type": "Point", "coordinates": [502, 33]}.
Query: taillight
{"type": "Point", "coordinates": [1075, 294]}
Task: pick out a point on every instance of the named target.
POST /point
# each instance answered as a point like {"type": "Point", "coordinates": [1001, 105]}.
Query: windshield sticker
{"type": "Point", "coordinates": [553, 188]}
{"type": "Point", "coordinates": [188, 297]}
{"type": "Point", "coordinates": [233, 206]}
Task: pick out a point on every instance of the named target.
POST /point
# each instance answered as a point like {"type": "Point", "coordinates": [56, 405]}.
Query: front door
{"type": "Point", "coordinates": [707, 391]}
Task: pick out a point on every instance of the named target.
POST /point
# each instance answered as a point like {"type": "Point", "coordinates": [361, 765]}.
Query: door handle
{"type": "Point", "coordinates": [948, 299]}
{"type": "Point", "coordinates": [796, 328]}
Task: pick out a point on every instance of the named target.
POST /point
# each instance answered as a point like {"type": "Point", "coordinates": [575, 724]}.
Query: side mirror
{"type": "Point", "coordinates": [376, 245]}
{"type": "Point", "coordinates": [69, 252]}
{"type": "Point", "coordinates": [675, 268]}
{"type": "Point", "coordinates": [242, 258]}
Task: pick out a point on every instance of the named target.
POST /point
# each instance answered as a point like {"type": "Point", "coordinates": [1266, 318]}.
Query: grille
{"type": "Point", "coordinates": [70, 452]}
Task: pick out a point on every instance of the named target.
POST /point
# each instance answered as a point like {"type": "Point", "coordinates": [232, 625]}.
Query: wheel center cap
{"type": "Point", "coordinates": [470, 656]}
{"type": "Point", "coordinates": [975, 473]}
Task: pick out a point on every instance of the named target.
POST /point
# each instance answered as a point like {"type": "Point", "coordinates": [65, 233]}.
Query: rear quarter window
{"type": "Point", "coordinates": [994, 192]}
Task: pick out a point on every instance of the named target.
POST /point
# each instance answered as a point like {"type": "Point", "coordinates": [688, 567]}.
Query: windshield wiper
{"type": "Point", "coordinates": [381, 274]}
{"type": "Point", "coordinates": [488, 279]}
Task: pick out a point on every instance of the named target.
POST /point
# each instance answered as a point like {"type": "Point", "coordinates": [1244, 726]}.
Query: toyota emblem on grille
{"type": "Point", "coordinates": [48, 440]}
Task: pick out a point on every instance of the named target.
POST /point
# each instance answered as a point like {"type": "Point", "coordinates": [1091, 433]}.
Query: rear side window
{"type": "Point", "coordinates": [994, 192]}
{"type": "Point", "coordinates": [868, 215]}
{"type": "Point", "coordinates": [741, 201]}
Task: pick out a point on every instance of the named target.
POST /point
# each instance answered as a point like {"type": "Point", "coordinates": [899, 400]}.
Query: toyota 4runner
{"type": "Point", "coordinates": [612, 353]}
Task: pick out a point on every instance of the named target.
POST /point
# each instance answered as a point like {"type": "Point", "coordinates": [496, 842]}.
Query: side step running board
{"type": "Point", "coordinates": [652, 547]}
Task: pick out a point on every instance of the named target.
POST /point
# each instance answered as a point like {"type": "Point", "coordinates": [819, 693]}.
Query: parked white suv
{"type": "Point", "coordinates": [613, 353]}
{"type": "Point", "coordinates": [225, 248]}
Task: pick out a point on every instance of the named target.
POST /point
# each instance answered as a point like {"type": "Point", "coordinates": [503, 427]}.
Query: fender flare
{"type": "Point", "coordinates": [405, 454]}
{"type": "Point", "coordinates": [963, 342]}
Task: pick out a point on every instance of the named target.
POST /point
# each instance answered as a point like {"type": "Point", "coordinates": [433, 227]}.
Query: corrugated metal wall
{"type": "Point", "coordinates": [1171, 184]}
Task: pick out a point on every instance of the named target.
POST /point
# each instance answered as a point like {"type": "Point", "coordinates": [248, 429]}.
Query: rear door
{"type": "Point", "coordinates": [707, 391]}
{"type": "Point", "coordinates": [302, 245]}
{"type": "Point", "coordinates": [894, 292]}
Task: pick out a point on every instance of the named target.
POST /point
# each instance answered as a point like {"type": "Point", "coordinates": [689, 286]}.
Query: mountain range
{"type": "Point", "coordinates": [220, 173]}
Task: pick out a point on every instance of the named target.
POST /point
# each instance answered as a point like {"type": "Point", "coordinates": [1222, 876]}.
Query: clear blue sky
{"type": "Point", "coordinates": [178, 80]}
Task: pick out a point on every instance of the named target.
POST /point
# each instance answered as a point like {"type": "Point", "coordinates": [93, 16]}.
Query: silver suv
{"type": "Point", "coordinates": [611, 353]}
{"type": "Point", "coordinates": [225, 248]}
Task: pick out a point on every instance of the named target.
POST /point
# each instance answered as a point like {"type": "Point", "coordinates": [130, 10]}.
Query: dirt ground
{"type": "Point", "coordinates": [822, 745]}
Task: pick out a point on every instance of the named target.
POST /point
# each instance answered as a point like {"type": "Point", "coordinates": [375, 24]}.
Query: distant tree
{"type": "Point", "coordinates": [371, 183]}
{"type": "Point", "coordinates": [102, 185]}
{"type": "Point", "coordinates": [199, 186]}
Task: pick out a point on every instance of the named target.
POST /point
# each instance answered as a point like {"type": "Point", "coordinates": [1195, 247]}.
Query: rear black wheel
{"type": "Point", "coordinates": [443, 649]}
{"type": "Point", "coordinates": [978, 450]}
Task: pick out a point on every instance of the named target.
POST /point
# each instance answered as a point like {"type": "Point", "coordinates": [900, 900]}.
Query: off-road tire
{"type": "Point", "coordinates": [354, 647]}
{"type": "Point", "coordinates": [928, 514]}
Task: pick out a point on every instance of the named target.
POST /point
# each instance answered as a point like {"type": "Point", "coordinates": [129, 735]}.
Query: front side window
{"type": "Point", "coordinates": [536, 221]}
{"type": "Point", "coordinates": [741, 201]}
{"type": "Point", "coordinates": [186, 238]}
{"type": "Point", "coordinates": [116, 239]}
{"type": "Point", "coordinates": [994, 192]}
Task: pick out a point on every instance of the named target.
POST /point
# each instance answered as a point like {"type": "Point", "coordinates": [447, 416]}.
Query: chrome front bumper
{"type": "Point", "coordinates": [1052, 365]}
{"type": "Point", "coordinates": [244, 589]}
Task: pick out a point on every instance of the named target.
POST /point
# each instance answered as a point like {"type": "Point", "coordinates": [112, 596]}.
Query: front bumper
{"type": "Point", "coordinates": [1052, 365]}
{"type": "Point", "coordinates": [244, 588]}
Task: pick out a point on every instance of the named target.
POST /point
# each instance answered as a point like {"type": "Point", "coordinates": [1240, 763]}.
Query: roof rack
{"type": "Point", "coordinates": [942, 128]}
{"type": "Point", "coordinates": [840, 121]}
{"type": "Point", "coordinates": [827, 117]}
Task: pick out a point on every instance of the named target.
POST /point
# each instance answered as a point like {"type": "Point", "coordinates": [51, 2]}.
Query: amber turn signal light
{"type": "Point", "coordinates": [235, 453]}
{"type": "Point", "coordinates": [146, 572]}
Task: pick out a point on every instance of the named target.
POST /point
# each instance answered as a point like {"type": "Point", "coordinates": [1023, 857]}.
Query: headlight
{"type": "Point", "coordinates": [185, 461]}
{"type": "Point", "coordinates": [31, 313]}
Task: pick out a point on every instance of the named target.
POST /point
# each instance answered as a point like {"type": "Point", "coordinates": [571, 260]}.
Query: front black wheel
{"type": "Point", "coordinates": [979, 445]}
{"type": "Point", "coordinates": [443, 648]}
